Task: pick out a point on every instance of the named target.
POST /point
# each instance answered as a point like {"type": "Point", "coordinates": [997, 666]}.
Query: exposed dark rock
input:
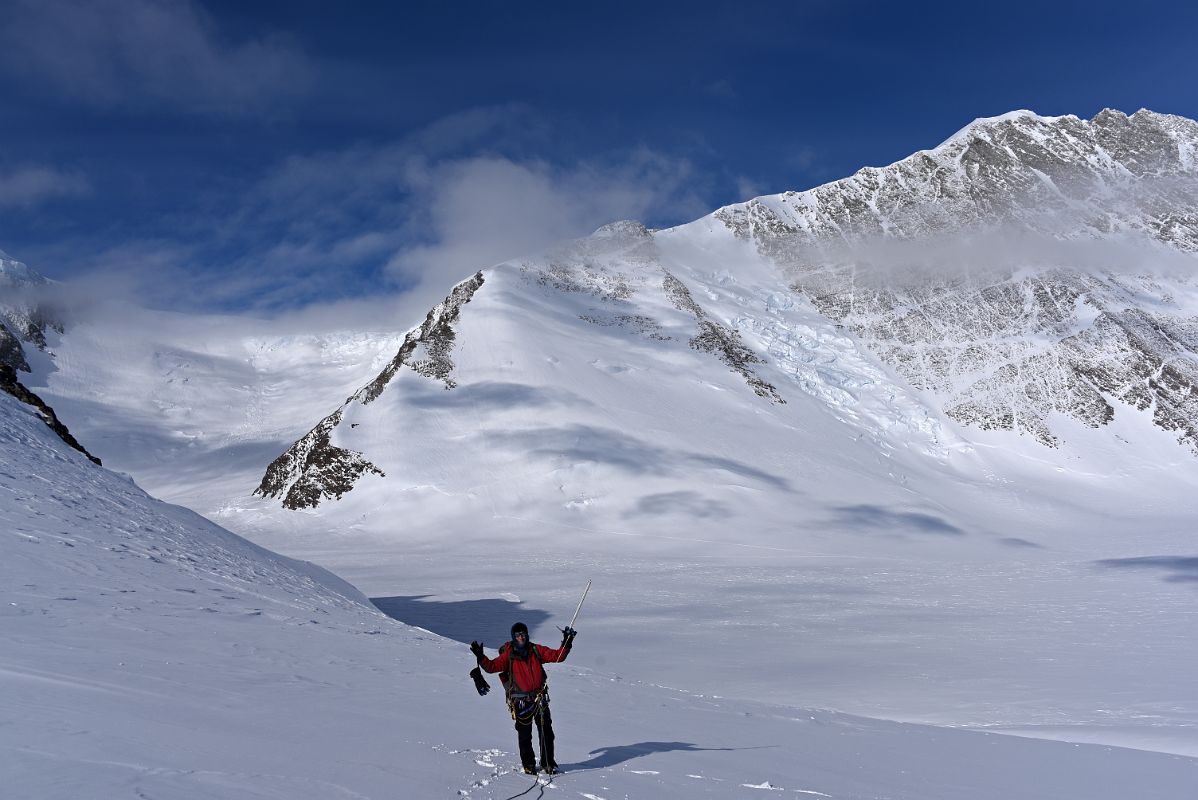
{"type": "Point", "coordinates": [723, 343]}
{"type": "Point", "coordinates": [314, 469]}
{"type": "Point", "coordinates": [638, 323]}
{"type": "Point", "coordinates": [680, 296]}
{"type": "Point", "coordinates": [592, 279]}
{"type": "Point", "coordinates": [436, 335]}
{"type": "Point", "coordinates": [11, 352]}
{"type": "Point", "coordinates": [10, 384]}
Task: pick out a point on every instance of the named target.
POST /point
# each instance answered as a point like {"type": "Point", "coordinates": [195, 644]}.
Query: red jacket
{"type": "Point", "coordinates": [527, 673]}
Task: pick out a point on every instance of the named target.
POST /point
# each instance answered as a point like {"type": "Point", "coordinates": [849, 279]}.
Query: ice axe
{"type": "Point", "coordinates": [570, 627]}
{"type": "Point", "coordinates": [476, 674]}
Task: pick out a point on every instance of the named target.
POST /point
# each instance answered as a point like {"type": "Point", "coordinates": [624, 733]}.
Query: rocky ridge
{"type": "Point", "coordinates": [10, 384]}
{"type": "Point", "coordinates": [314, 469]}
{"type": "Point", "coordinates": [1015, 271]}
{"type": "Point", "coordinates": [25, 320]}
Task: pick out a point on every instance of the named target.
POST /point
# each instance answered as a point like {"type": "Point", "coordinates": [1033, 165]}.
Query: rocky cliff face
{"type": "Point", "coordinates": [314, 469]}
{"type": "Point", "coordinates": [24, 320]}
{"type": "Point", "coordinates": [9, 384]}
{"type": "Point", "coordinates": [1027, 267]}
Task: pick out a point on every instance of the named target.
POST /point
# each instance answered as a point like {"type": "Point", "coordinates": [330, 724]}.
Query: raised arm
{"type": "Point", "coordinates": [549, 656]}
{"type": "Point", "coordinates": [497, 664]}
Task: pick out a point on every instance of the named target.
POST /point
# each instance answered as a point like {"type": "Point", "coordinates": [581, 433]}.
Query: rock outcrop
{"type": "Point", "coordinates": [11, 385]}
{"type": "Point", "coordinates": [314, 469]}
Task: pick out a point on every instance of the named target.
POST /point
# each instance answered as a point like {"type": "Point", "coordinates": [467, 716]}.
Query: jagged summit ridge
{"type": "Point", "coordinates": [1056, 175]}
{"type": "Point", "coordinates": [1014, 270]}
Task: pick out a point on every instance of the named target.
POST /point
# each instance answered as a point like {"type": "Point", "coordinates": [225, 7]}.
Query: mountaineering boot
{"type": "Point", "coordinates": [529, 770]}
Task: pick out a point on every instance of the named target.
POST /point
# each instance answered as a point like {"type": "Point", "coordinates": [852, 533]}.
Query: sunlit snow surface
{"type": "Point", "coordinates": [851, 548]}
{"type": "Point", "coordinates": [144, 652]}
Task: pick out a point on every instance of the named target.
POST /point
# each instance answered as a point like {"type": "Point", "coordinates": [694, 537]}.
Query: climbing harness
{"type": "Point", "coordinates": [517, 701]}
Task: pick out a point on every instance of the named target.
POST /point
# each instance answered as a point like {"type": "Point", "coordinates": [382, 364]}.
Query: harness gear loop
{"type": "Point", "coordinates": [523, 713]}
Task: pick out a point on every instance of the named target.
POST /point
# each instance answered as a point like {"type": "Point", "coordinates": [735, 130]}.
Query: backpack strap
{"type": "Point", "coordinates": [510, 689]}
{"type": "Point", "coordinates": [505, 677]}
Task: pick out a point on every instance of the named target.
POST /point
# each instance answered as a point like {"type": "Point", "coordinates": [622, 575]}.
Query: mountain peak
{"type": "Point", "coordinates": [984, 123]}
{"type": "Point", "coordinates": [16, 273]}
{"type": "Point", "coordinates": [1028, 267]}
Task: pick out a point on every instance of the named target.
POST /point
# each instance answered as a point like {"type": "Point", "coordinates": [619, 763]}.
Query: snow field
{"type": "Point", "coordinates": [148, 653]}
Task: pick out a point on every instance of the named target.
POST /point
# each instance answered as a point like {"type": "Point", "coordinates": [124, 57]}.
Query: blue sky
{"type": "Point", "coordinates": [267, 156]}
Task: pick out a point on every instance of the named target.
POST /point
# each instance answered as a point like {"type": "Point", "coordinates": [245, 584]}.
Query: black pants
{"type": "Point", "coordinates": [544, 725]}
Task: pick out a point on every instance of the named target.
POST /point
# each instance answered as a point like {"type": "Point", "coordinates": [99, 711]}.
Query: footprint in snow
{"type": "Point", "coordinates": [486, 759]}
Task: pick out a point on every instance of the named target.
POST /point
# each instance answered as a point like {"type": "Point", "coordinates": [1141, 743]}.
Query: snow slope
{"type": "Point", "coordinates": [148, 653]}
{"type": "Point", "coordinates": [872, 555]}
{"type": "Point", "coordinates": [194, 406]}
{"type": "Point", "coordinates": [772, 509]}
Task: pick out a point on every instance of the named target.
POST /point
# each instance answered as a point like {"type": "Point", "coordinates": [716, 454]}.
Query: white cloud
{"type": "Point", "coordinates": [747, 188]}
{"type": "Point", "coordinates": [29, 186]}
{"type": "Point", "coordinates": [996, 250]}
{"type": "Point", "coordinates": [409, 217]}
{"type": "Point", "coordinates": [477, 212]}
{"type": "Point", "coordinates": [803, 158]}
{"type": "Point", "coordinates": [134, 53]}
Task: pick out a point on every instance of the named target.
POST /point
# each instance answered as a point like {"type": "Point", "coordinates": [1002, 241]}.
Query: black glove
{"type": "Point", "coordinates": [480, 682]}
{"type": "Point", "coordinates": [477, 649]}
{"type": "Point", "coordinates": [568, 635]}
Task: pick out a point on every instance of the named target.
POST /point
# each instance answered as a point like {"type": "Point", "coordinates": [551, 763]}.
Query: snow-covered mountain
{"type": "Point", "coordinates": [146, 652]}
{"type": "Point", "coordinates": [916, 445]}
{"type": "Point", "coordinates": [1028, 266]}
{"type": "Point", "coordinates": [980, 355]}
{"type": "Point", "coordinates": [24, 319]}
{"type": "Point", "coordinates": [1049, 270]}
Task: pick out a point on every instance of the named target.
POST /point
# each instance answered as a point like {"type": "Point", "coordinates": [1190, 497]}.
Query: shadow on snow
{"type": "Point", "coordinates": [871, 518]}
{"type": "Point", "coordinates": [1181, 569]}
{"type": "Point", "coordinates": [584, 443]}
{"type": "Point", "coordinates": [487, 396]}
{"type": "Point", "coordinates": [610, 756]}
{"type": "Point", "coordinates": [488, 621]}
